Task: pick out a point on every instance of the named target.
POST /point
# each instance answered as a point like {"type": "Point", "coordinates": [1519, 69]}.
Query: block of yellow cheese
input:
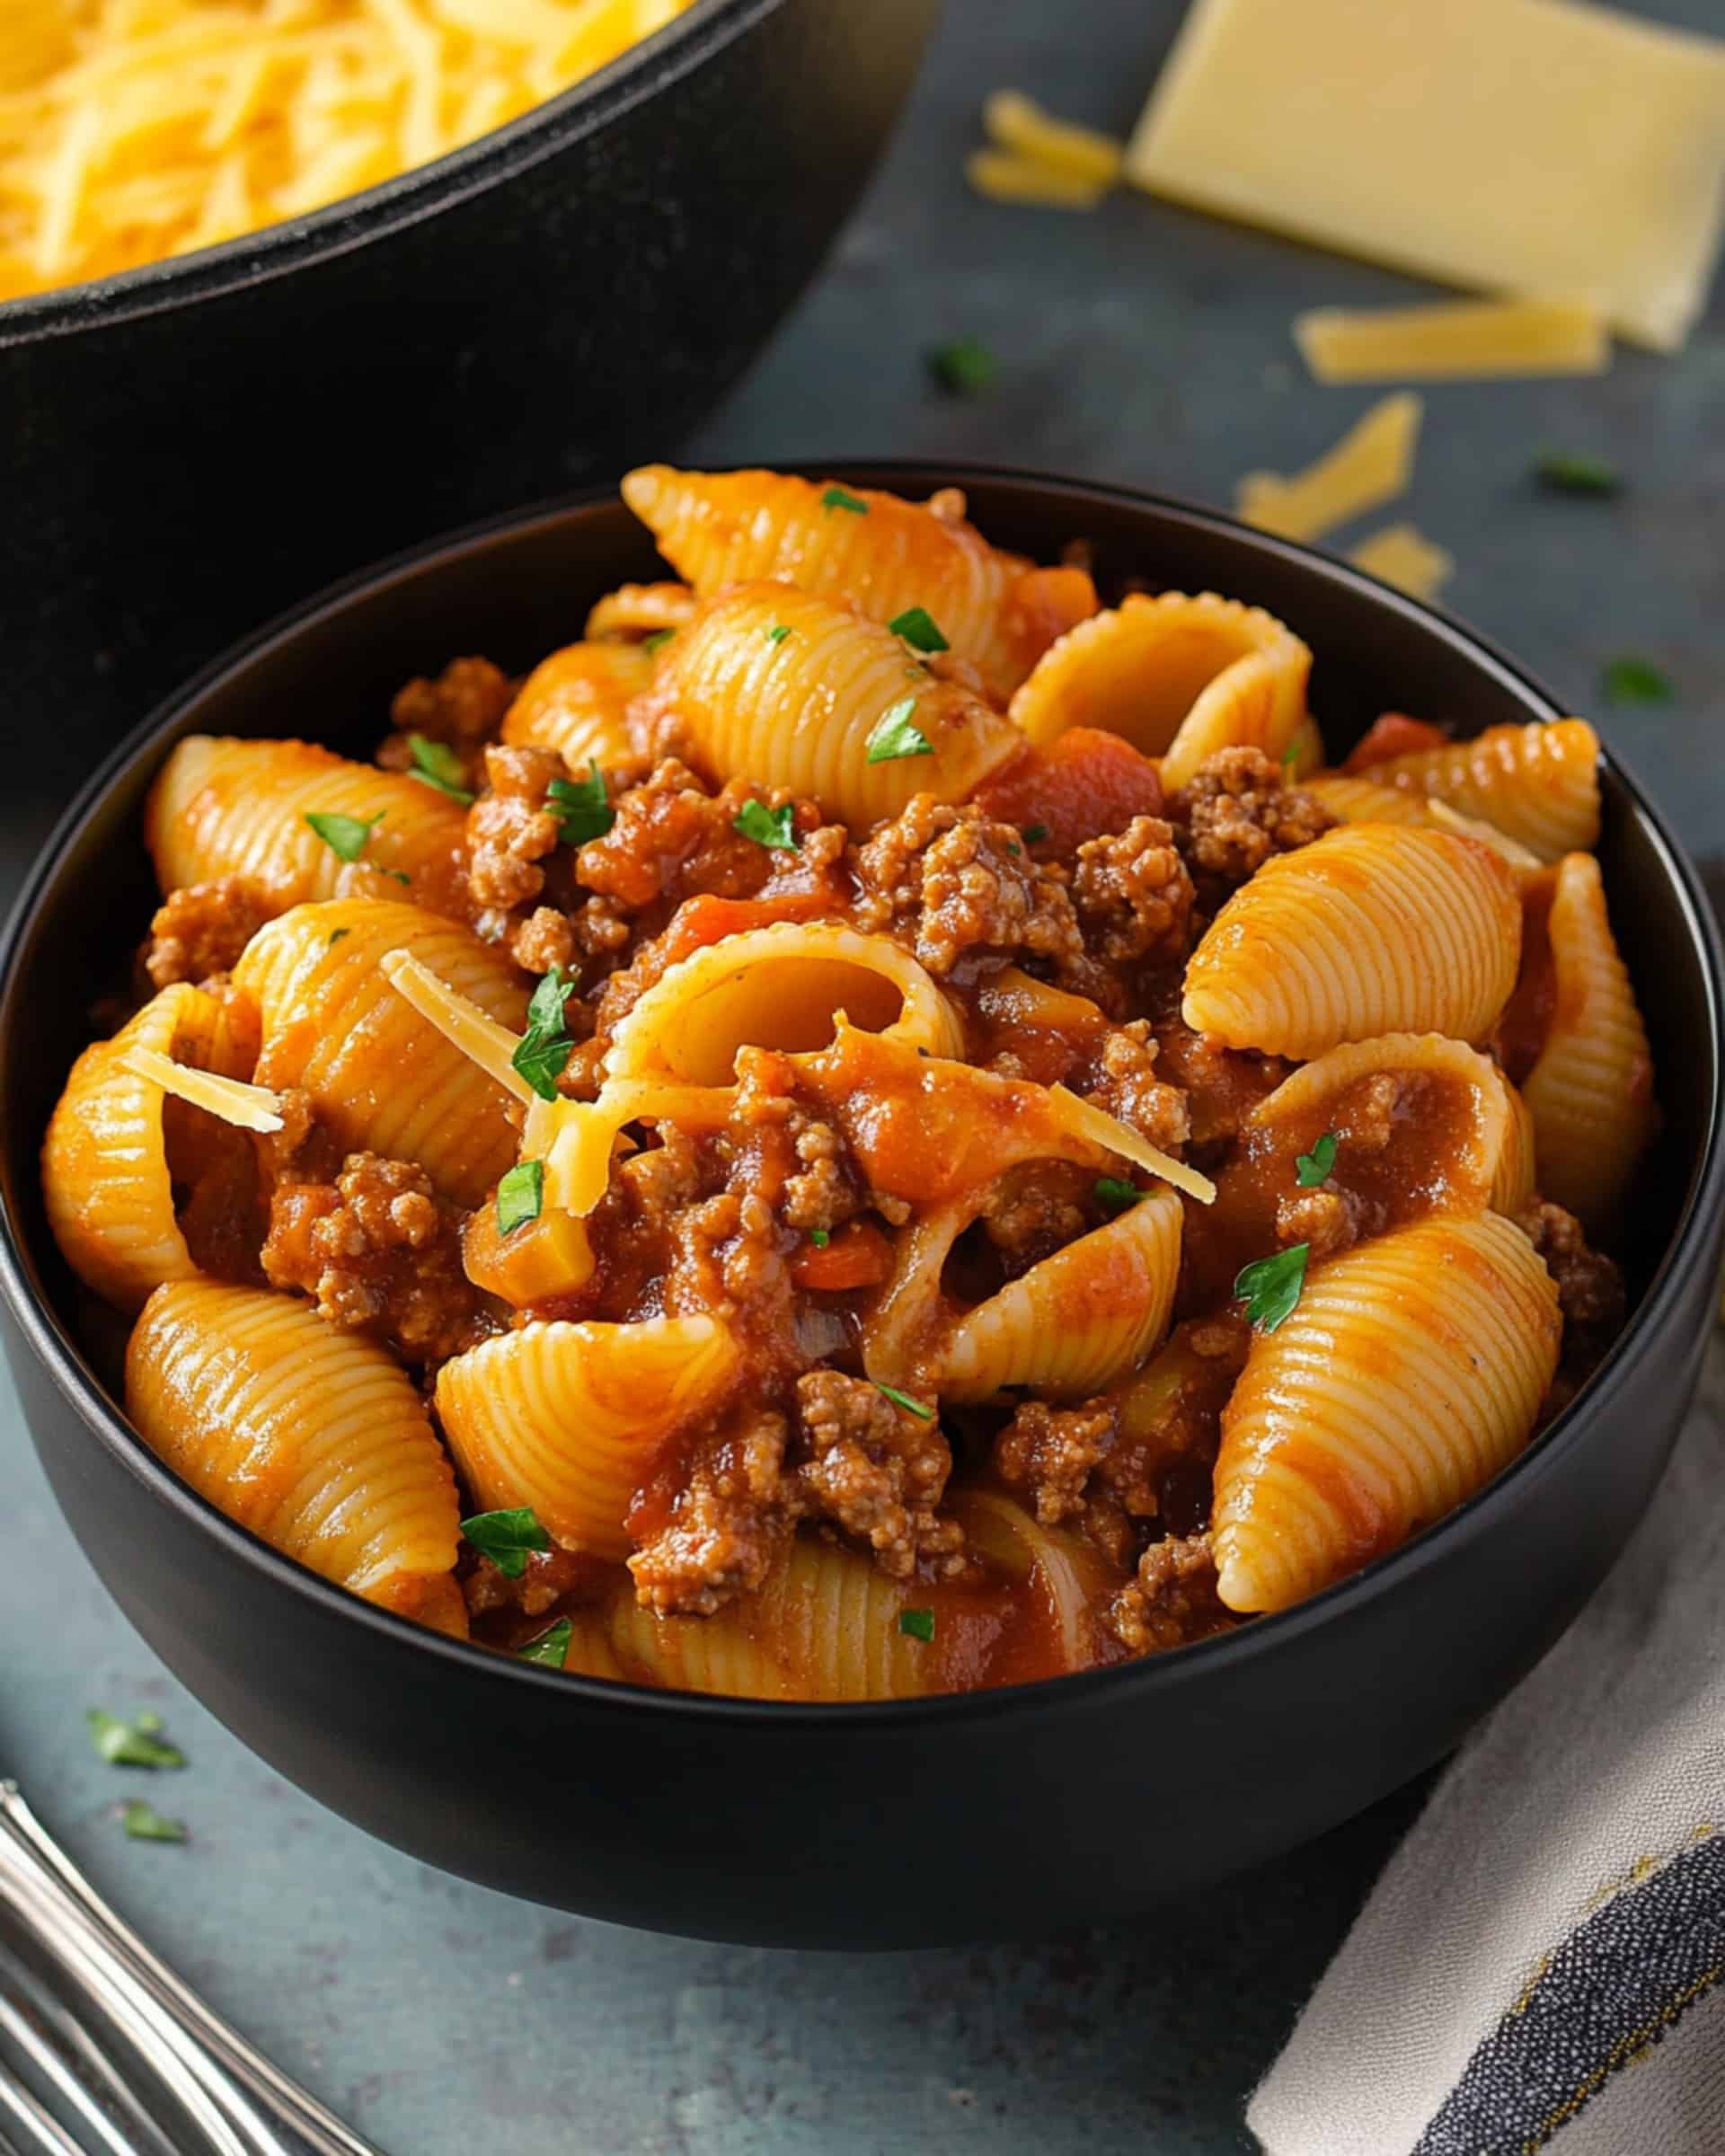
{"type": "Point", "coordinates": [1540, 147]}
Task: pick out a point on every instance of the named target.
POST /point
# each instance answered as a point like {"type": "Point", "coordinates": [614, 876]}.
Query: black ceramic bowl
{"type": "Point", "coordinates": [542, 307]}
{"type": "Point", "coordinates": [1011, 1813]}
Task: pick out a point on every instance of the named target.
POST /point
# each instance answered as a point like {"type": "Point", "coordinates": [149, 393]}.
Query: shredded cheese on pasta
{"type": "Point", "coordinates": [246, 1107]}
{"type": "Point", "coordinates": [135, 129]}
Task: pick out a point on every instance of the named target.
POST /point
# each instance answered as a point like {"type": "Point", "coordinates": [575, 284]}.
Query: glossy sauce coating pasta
{"type": "Point", "coordinates": [916, 1134]}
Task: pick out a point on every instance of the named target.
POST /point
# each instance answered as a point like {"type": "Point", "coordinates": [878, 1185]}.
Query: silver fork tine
{"type": "Point", "coordinates": [40, 2132]}
{"type": "Point", "coordinates": [82, 2055]}
{"type": "Point", "coordinates": [53, 2072]}
{"type": "Point", "coordinates": [208, 2043]}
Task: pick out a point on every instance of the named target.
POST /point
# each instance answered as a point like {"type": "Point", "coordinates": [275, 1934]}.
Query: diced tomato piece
{"type": "Point", "coordinates": [1395, 735]}
{"type": "Point", "coordinates": [1083, 783]}
{"type": "Point", "coordinates": [858, 1256]}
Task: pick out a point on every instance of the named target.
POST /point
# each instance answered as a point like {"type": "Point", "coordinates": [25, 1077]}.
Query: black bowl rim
{"type": "Point", "coordinates": [357, 220]}
{"type": "Point", "coordinates": [52, 1341]}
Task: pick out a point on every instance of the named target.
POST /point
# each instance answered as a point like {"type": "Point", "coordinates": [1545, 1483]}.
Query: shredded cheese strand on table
{"type": "Point", "coordinates": [1371, 464]}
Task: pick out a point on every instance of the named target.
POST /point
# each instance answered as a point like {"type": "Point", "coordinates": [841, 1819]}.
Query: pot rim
{"type": "Point", "coordinates": [53, 1342]}
{"type": "Point", "coordinates": [375, 213]}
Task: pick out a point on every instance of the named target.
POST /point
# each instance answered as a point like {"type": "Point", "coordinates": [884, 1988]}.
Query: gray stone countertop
{"type": "Point", "coordinates": [1140, 344]}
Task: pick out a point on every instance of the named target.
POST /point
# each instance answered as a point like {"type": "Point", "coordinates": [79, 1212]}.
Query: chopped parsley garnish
{"type": "Point", "coordinates": [1311, 1169]}
{"type": "Point", "coordinates": [1631, 680]}
{"type": "Point", "coordinates": [903, 1400]}
{"type": "Point", "coordinates": [897, 734]}
{"type": "Point", "coordinates": [134, 1743]}
{"type": "Point", "coordinates": [1576, 471]}
{"type": "Point", "coordinates": [917, 626]}
{"type": "Point", "coordinates": [771, 828]}
{"type": "Point", "coordinates": [581, 806]}
{"type": "Point", "coordinates": [963, 368]}
{"type": "Point", "coordinates": [436, 764]}
{"type": "Point", "coordinates": [1290, 757]}
{"type": "Point", "coordinates": [506, 1538]}
{"type": "Point", "coordinates": [1034, 834]}
{"type": "Point", "coordinates": [519, 1196]}
{"type": "Point", "coordinates": [837, 498]}
{"type": "Point", "coordinates": [144, 1823]}
{"type": "Point", "coordinates": [545, 1046]}
{"type": "Point", "coordinates": [778, 632]}
{"type": "Point", "coordinates": [1116, 1193]}
{"type": "Point", "coordinates": [336, 936]}
{"type": "Point", "coordinates": [1270, 1287]}
{"type": "Point", "coordinates": [550, 1650]}
{"type": "Point", "coordinates": [344, 835]}
{"type": "Point", "coordinates": [916, 1624]}
{"type": "Point", "coordinates": [657, 641]}
{"type": "Point", "coordinates": [819, 1237]}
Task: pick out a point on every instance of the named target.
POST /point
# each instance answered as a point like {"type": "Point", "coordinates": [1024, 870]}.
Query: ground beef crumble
{"type": "Point", "coordinates": [202, 929]}
{"type": "Point", "coordinates": [379, 1254]}
{"type": "Point", "coordinates": [1173, 1601]}
{"type": "Point", "coordinates": [1133, 894]}
{"type": "Point", "coordinates": [876, 1471]}
{"type": "Point", "coordinates": [1237, 810]}
{"type": "Point", "coordinates": [1590, 1287]}
{"type": "Point", "coordinates": [731, 1520]}
{"type": "Point", "coordinates": [511, 830]}
{"type": "Point", "coordinates": [463, 708]}
{"type": "Point", "coordinates": [953, 883]}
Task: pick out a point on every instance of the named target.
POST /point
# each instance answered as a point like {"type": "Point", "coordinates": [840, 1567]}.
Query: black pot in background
{"type": "Point", "coordinates": [1009, 1813]}
{"type": "Point", "coordinates": [187, 448]}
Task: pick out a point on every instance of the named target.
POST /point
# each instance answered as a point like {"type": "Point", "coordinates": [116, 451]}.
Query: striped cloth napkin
{"type": "Point", "coordinates": [1540, 1963]}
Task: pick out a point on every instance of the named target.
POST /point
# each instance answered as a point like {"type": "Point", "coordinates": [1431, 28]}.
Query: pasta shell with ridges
{"type": "Point", "coordinates": [780, 987]}
{"type": "Point", "coordinates": [227, 808]}
{"type": "Point", "coordinates": [1080, 1319]}
{"type": "Point", "coordinates": [1590, 1092]}
{"type": "Point", "coordinates": [314, 1439]}
{"type": "Point", "coordinates": [576, 704]}
{"type": "Point", "coordinates": [799, 711]}
{"type": "Point", "coordinates": [385, 1080]}
{"type": "Point", "coordinates": [569, 1419]}
{"type": "Point", "coordinates": [1180, 677]}
{"type": "Point", "coordinates": [1410, 1371]}
{"type": "Point", "coordinates": [718, 528]}
{"type": "Point", "coordinates": [106, 1180]}
{"type": "Point", "coordinates": [1538, 784]}
{"type": "Point", "coordinates": [1373, 928]}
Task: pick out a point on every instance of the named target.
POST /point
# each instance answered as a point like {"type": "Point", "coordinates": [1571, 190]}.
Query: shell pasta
{"type": "Point", "coordinates": [876, 1123]}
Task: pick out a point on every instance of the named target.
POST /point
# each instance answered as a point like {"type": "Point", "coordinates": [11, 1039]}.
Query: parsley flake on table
{"type": "Point", "coordinates": [550, 1650]}
{"type": "Point", "coordinates": [778, 632]}
{"type": "Point", "coordinates": [506, 1538]}
{"type": "Point", "coordinates": [1633, 680]}
{"type": "Point", "coordinates": [144, 1823]}
{"type": "Point", "coordinates": [963, 368]}
{"type": "Point", "coordinates": [1577, 472]}
{"type": "Point", "coordinates": [1270, 1287]}
{"type": "Point", "coordinates": [1116, 1193]}
{"type": "Point", "coordinates": [897, 734]}
{"type": "Point", "coordinates": [520, 1195]}
{"type": "Point", "coordinates": [774, 828]}
{"type": "Point", "coordinates": [657, 641]}
{"type": "Point", "coordinates": [903, 1400]}
{"type": "Point", "coordinates": [918, 1624]}
{"type": "Point", "coordinates": [839, 497]}
{"type": "Point", "coordinates": [919, 629]}
{"type": "Point", "coordinates": [582, 807]}
{"type": "Point", "coordinates": [437, 764]}
{"type": "Point", "coordinates": [1311, 1169]}
{"type": "Point", "coordinates": [545, 1046]}
{"type": "Point", "coordinates": [344, 835]}
{"type": "Point", "coordinates": [134, 1743]}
